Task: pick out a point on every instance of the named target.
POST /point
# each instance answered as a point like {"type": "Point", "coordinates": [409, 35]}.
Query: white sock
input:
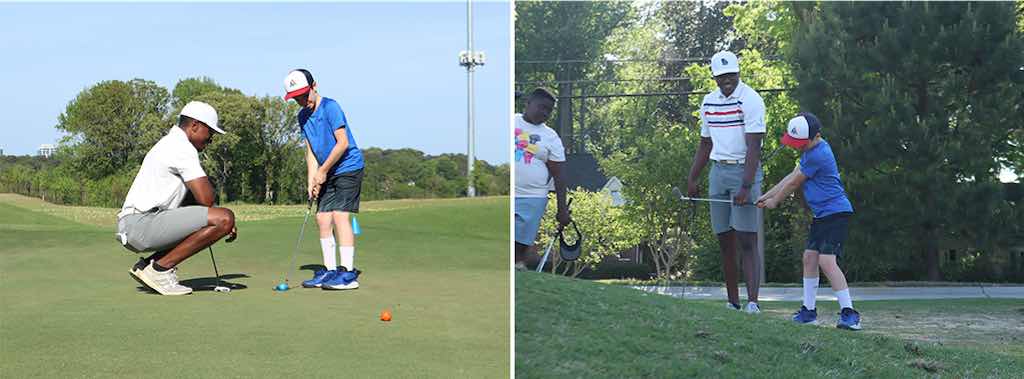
{"type": "Point", "coordinates": [844, 298]}
{"type": "Point", "coordinates": [810, 291]}
{"type": "Point", "coordinates": [348, 257]}
{"type": "Point", "coordinates": [327, 248]}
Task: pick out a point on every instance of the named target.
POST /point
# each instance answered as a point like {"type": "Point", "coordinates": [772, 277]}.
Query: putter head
{"type": "Point", "coordinates": [570, 252]}
{"type": "Point", "coordinates": [221, 289]}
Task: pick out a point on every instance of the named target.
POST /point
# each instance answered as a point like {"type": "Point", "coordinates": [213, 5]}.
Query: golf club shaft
{"type": "Point", "coordinates": [302, 230]}
{"type": "Point", "coordinates": [215, 271]}
{"type": "Point", "coordinates": [547, 252]}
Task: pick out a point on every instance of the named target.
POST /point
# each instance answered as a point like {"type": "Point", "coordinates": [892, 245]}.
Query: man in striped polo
{"type": "Point", "coordinates": [732, 125]}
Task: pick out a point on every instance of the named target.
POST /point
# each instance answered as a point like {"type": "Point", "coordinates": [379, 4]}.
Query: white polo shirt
{"type": "Point", "coordinates": [160, 183]}
{"type": "Point", "coordinates": [727, 119]}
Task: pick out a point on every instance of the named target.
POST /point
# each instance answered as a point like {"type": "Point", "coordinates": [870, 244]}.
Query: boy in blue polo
{"type": "Point", "coordinates": [818, 174]}
{"type": "Point", "coordinates": [334, 177]}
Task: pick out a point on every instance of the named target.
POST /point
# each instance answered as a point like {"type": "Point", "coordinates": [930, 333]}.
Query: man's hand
{"type": "Point", "coordinates": [742, 196]}
{"type": "Point", "coordinates": [564, 218]}
{"type": "Point", "coordinates": [691, 189]}
{"type": "Point", "coordinates": [233, 235]}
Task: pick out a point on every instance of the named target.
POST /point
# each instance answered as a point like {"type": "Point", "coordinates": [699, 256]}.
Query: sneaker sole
{"type": "Point", "coordinates": [153, 286]}
{"type": "Point", "coordinates": [132, 274]}
{"type": "Point", "coordinates": [304, 285]}
{"type": "Point", "coordinates": [849, 327]}
{"type": "Point", "coordinates": [342, 287]}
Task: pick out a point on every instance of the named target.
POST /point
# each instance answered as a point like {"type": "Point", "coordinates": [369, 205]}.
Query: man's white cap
{"type": "Point", "coordinates": [724, 62]}
{"type": "Point", "coordinates": [202, 112]}
{"type": "Point", "coordinates": [295, 84]}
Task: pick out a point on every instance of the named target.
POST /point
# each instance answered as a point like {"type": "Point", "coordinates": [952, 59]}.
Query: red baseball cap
{"type": "Point", "coordinates": [296, 84]}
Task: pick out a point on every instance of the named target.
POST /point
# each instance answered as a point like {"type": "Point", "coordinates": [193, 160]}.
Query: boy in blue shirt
{"type": "Point", "coordinates": [818, 174]}
{"type": "Point", "coordinates": [334, 177]}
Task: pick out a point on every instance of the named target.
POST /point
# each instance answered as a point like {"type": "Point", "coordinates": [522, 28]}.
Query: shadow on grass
{"type": "Point", "coordinates": [206, 284]}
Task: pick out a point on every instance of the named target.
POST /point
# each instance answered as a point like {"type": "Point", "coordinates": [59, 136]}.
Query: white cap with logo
{"type": "Point", "coordinates": [296, 84]}
{"type": "Point", "coordinates": [724, 62]}
{"type": "Point", "coordinates": [202, 112]}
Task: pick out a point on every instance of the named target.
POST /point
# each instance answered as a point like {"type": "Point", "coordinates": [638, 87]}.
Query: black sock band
{"type": "Point", "coordinates": [159, 268]}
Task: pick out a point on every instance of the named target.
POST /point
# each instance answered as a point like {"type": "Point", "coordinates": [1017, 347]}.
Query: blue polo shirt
{"type": "Point", "coordinates": [823, 189]}
{"type": "Point", "coordinates": [319, 126]}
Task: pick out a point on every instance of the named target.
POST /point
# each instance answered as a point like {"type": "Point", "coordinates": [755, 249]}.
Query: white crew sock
{"type": "Point", "coordinates": [327, 248]}
{"type": "Point", "coordinates": [348, 256]}
{"type": "Point", "coordinates": [810, 291]}
{"type": "Point", "coordinates": [844, 298]}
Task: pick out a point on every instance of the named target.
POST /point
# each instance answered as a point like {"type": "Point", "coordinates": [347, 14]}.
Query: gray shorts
{"type": "Point", "coordinates": [725, 181]}
{"type": "Point", "coordinates": [160, 230]}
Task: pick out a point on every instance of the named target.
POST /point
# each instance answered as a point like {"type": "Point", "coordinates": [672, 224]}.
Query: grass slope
{"type": "Point", "coordinates": [575, 328]}
{"type": "Point", "coordinates": [69, 308]}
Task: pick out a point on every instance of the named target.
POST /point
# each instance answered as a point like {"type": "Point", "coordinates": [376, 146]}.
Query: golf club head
{"type": "Point", "coordinates": [678, 194]}
{"type": "Point", "coordinates": [221, 289]}
{"type": "Point", "coordinates": [570, 252]}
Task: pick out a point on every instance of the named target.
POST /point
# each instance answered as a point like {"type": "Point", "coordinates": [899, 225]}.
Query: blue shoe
{"type": "Point", "coordinates": [344, 280]}
{"type": "Point", "coordinates": [319, 277]}
{"type": "Point", "coordinates": [849, 319]}
{"type": "Point", "coordinates": [806, 316]}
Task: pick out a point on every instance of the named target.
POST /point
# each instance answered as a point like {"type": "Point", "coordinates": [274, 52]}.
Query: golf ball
{"type": "Point", "coordinates": [282, 287]}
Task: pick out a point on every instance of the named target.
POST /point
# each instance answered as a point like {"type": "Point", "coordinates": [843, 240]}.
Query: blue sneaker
{"type": "Point", "coordinates": [344, 280]}
{"type": "Point", "coordinates": [319, 277]}
{"type": "Point", "coordinates": [806, 316]}
{"type": "Point", "coordinates": [849, 319]}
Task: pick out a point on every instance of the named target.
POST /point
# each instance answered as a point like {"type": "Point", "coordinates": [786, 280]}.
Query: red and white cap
{"type": "Point", "coordinates": [202, 112]}
{"type": "Point", "coordinates": [801, 130]}
{"type": "Point", "coordinates": [296, 84]}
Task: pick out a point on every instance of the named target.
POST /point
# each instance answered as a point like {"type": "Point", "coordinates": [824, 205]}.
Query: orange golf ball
{"type": "Point", "coordinates": [385, 316]}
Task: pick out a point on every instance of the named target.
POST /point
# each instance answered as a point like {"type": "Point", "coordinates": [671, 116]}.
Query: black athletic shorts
{"type": "Point", "coordinates": [341, 192]}
{"type": "Point", "coordinates": [829, 233]}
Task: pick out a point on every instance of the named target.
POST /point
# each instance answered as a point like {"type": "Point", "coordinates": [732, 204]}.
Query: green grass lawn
{"type": "Point", "coordinates": [68, 307]}
{"type": "Point", "coordinates": [576, 328]}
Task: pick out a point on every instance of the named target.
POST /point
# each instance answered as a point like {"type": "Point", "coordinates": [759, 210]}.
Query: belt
{"type": "Point", "coordinates": [731, 161]}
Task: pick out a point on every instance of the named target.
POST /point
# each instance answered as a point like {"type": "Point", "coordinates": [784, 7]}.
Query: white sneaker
{"type": "Point", "coordinates": [520, 266]}
{"type": "Point", "coordinates": [165, 283]}
{"type": "Point", "coordinates": [732, 306]}
{"type": "Point", "coordinates": [752, 308]}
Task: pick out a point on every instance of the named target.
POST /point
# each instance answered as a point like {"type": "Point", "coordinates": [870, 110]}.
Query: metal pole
{"type": "Point", "coordinates": [470, 189]}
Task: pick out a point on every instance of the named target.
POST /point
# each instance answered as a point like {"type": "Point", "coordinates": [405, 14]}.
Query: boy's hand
{"type": "Point", "coordinates": [769, 203]}
{"type": "Point", "coordinates": [233, 235]}
{"type": "Point", "coordinates": [312, 190]}
{"type": "Point", "coordinates": [319, 178]}
{"type": "Point", "coordinates": [564, 218]}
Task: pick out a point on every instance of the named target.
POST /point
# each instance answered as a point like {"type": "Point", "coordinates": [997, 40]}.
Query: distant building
{"type": "Point", "coordinates": [47, 150]}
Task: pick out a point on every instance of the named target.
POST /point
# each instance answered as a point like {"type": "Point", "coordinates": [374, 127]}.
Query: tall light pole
{"type": "Point", "coordinates": [470, 59]}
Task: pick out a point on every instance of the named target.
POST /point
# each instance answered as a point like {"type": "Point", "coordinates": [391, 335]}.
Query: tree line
{"type": "Point", "coordinates": [111, 125]}
{"type": "Point", "coordinates": [920, 101]}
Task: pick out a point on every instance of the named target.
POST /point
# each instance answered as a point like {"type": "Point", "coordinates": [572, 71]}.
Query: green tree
{"type": "Point", "coordinates": [111, 125]}
{"type": "Point", "coordinates": [191, 88]}
{"type": "Point", "coordinates": [918, 101]}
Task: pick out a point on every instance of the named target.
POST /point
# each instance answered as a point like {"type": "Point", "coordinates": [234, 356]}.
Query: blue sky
{"type": "Point", "coordinates": [392, 66]}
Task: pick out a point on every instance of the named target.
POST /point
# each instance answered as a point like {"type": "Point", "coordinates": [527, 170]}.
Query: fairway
{"type": "Point", "coordinates": [69, 308]}
{"type": "Point", "coordinates": [574, 328]}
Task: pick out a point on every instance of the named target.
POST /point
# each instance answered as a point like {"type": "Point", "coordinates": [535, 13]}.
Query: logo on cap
{"type": "Point", "coordinates": [725, 62]}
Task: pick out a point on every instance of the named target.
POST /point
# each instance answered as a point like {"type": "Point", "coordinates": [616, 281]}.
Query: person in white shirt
{"type": "Point", "coordinates": [539, 158]}
{"type": "Point", "coordinates": [732, 125]}
{"type": "Point", "coordinates": [153, 219]}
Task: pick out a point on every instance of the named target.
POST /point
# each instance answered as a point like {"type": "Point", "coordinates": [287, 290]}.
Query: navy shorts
{"type": "Point", "coordinates": [828, 234]}
{"type": "Point", "coordinates": [341, 192]}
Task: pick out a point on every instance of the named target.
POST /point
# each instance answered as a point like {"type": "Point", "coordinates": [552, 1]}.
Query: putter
{"type": "Point", "coordinates": [302, 230]}
{"type": "Point", "coordinates": [547, 252]}
{"type": "Point", "coordinates": [218, 287]}
{"type": "Point", "coordinates": [544, 259]}
{"type": "Point", "coordinates": [679, 194]}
